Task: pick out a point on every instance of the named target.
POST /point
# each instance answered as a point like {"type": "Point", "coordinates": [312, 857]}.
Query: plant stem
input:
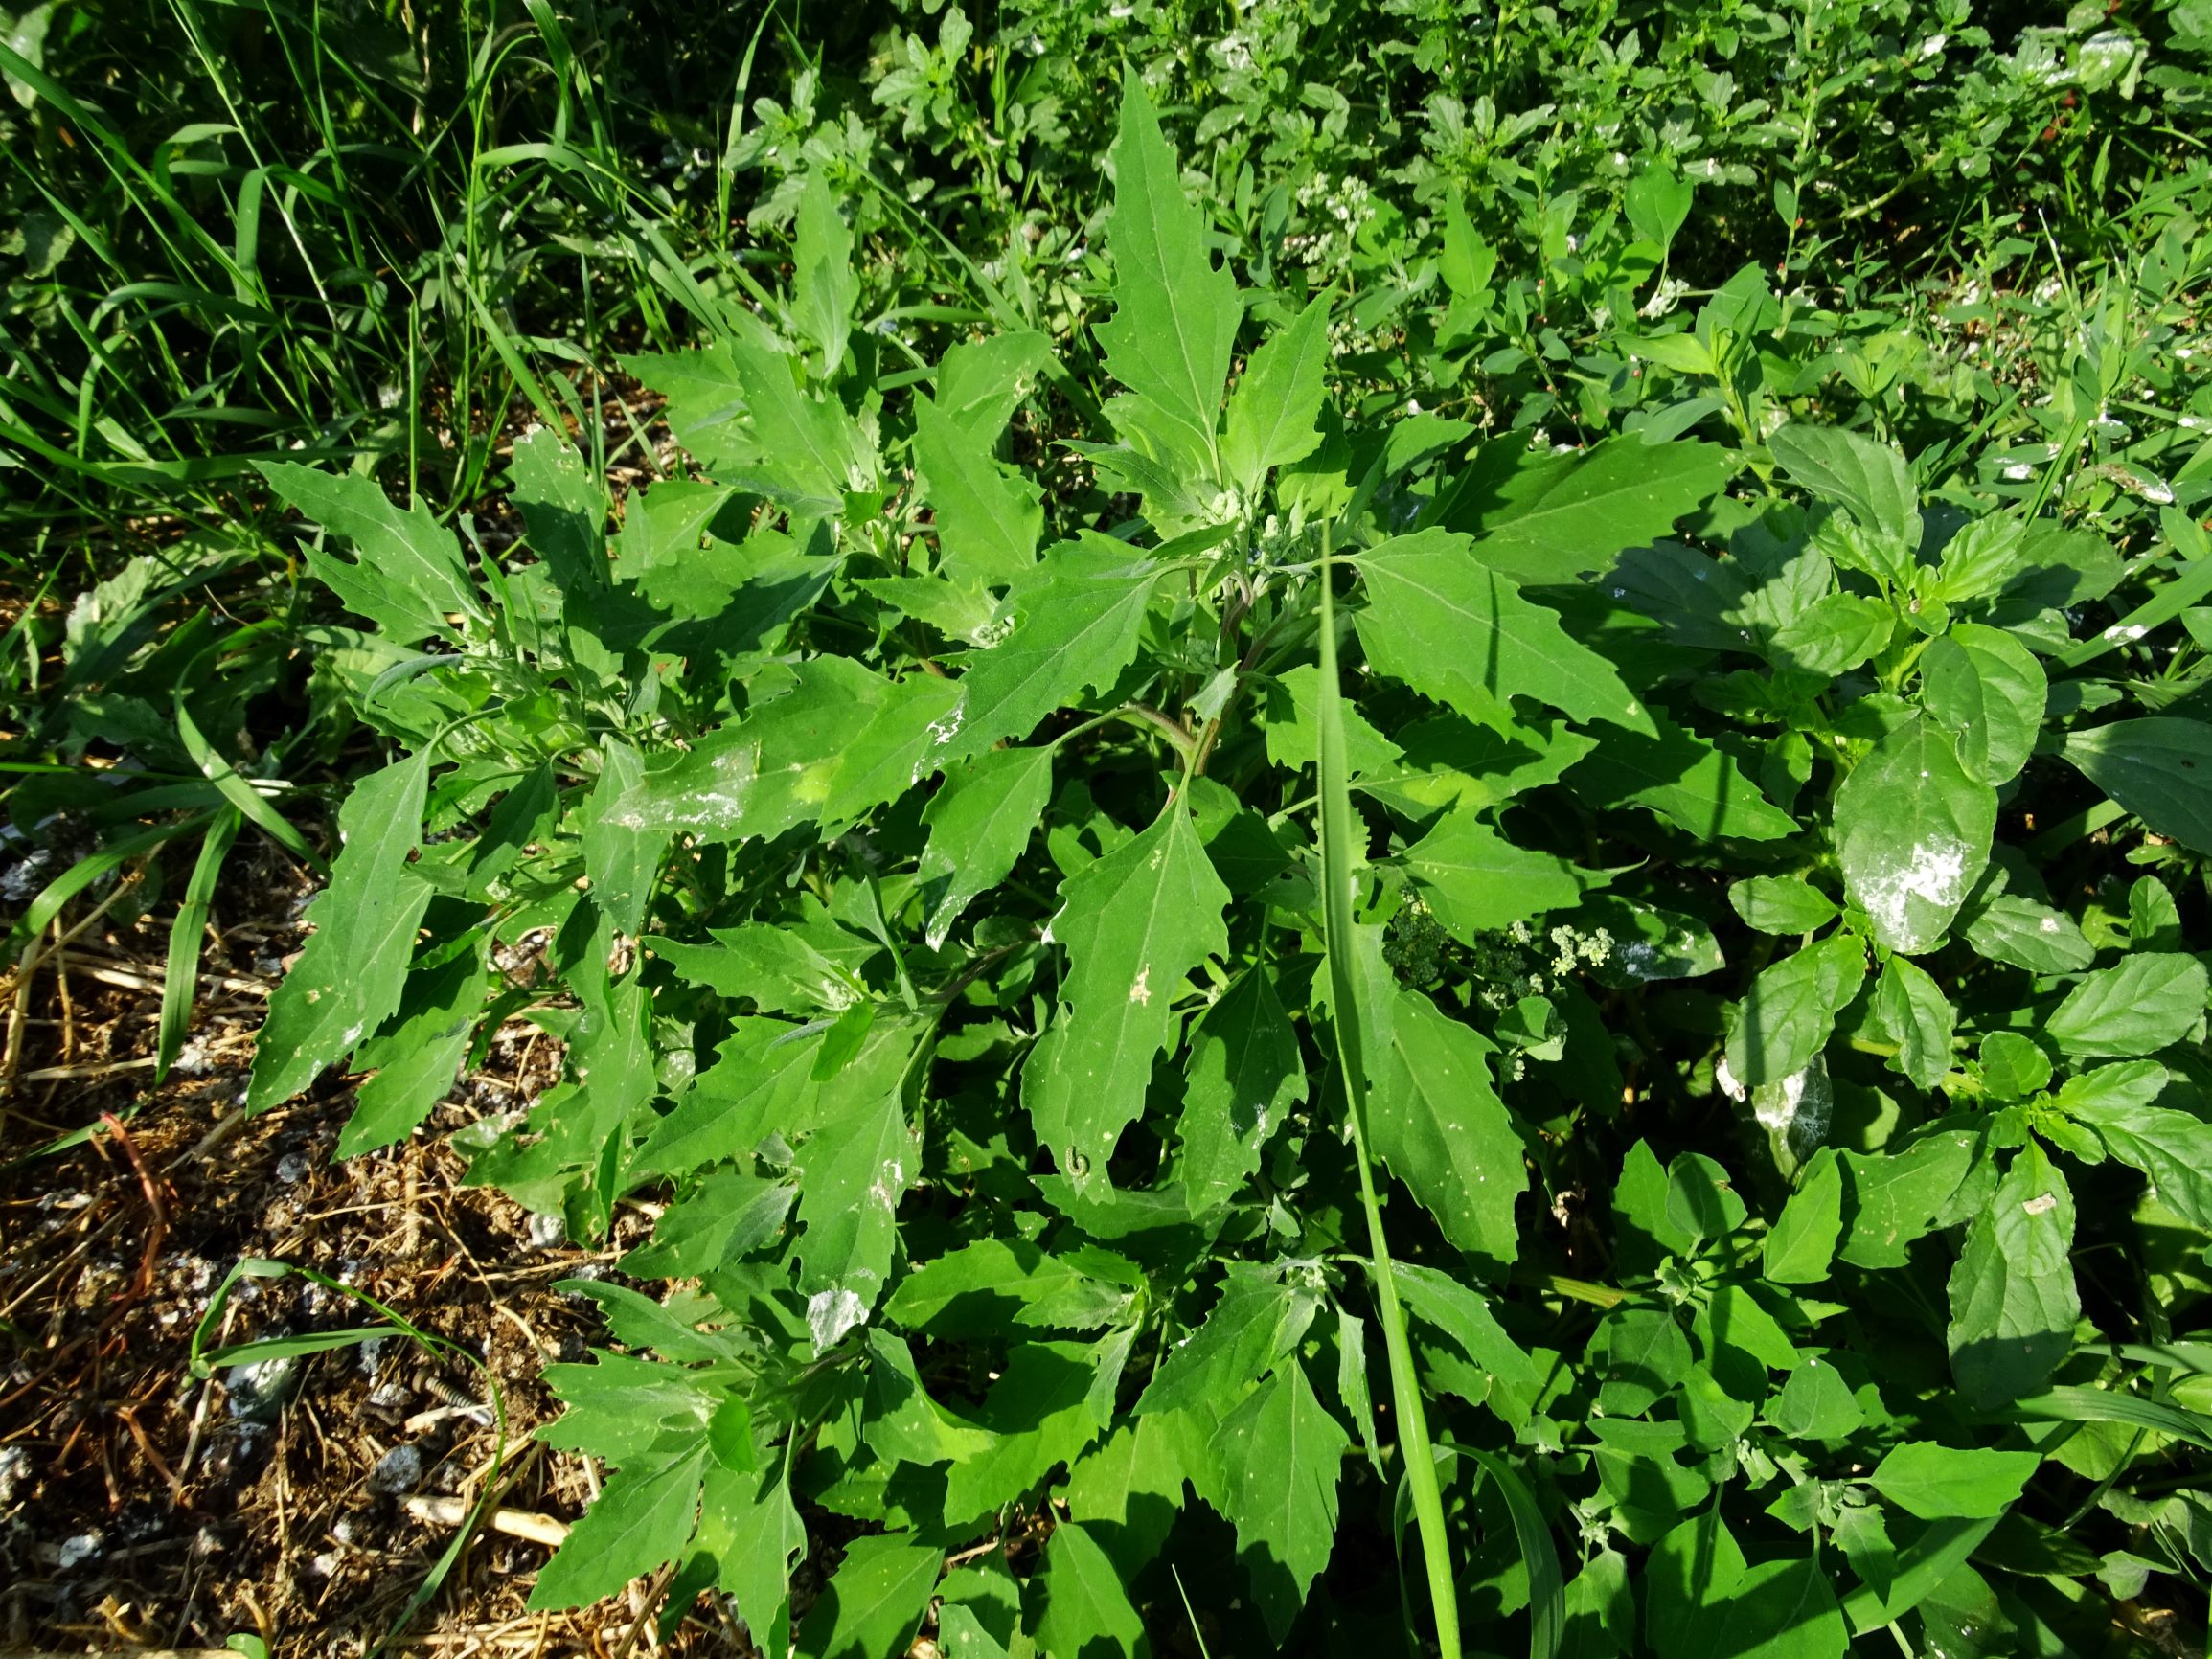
{"type": "Point", "coordinates": [1338, 854]}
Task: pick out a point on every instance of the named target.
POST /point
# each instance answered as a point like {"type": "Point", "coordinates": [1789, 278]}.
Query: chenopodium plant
{"type": "Point", "coordinates": [1071, 1005]}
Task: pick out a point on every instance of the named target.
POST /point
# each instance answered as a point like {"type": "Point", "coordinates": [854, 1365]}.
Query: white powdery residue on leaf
{"type": "Point", "coordinates": [1141, 991]}
{"type": "Point", "coordinates": [942, 732]}
{"type": "Point", "coordinates": [1935, 873]}
{"type": "Point", "coordinates": [1777, 1107]}
{"type": "Point", "coordinates": [1725, 1080]}
{"type": "Point", "coordinates": [890, 1183]}
{"type": "Point", "coordinates": [1639, 959]}
{"type": "Point", "coordinates": [2043, 1204]}
{"type": "Point", "coordinates": [831, 1313]}
{"type": "Point", "coordinates": [723, 805]}
{"type": "Point", "coordinates": [1798, 1108]}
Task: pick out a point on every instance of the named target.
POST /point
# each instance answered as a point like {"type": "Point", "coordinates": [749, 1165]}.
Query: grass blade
{"type": "Point", "coordinates": [182, 978]}
{"type": "Point", "coordinates": [1340, 856]}
{"type": "Point", "coordinates": [238, 790]}
{"type": "Point", "coordinates": [1546, 1586]}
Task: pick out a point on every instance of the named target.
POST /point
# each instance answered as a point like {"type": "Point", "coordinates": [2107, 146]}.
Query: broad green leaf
{"type": "Point", "coordinates": [1800, 1247]}
{"type": "Point", "coordinates": [1543, 518]}
{"type": "Point", "coordinates": [1913, 832]}
{"type": "Point", "coordinates": [2172, 1147]}
{"type": "Point", "coordinates": [2016, 929]}
{"type": "Point", "coordinates": [1978, 558]}
{"type": "Point", "coordinates": [1352, 1385]}
{"type": "Point", "coordinates": [663, 544]}
{"type": "Point", "coordinates": [2129, 1084]}
{"type": "Point", "coordinates": [1919, 1019]}
{"type": "Point", "coordinates": [987, 519]}
{"type": "Point", "coordinates": [981, 1288]}
{"type": "Point", "coordinates": [874, 1603]}
{"type": "Point", "coordinates": [726, 1216]}
{"type": "Point", "coordinates": [1434, 1118]}
{"type": "Point", "coordinates": [1861, 1531]}
{"type": "Point", "coordinates": [1087, 1612]}
{"type": "Point", "coordinates": [1441, 622]}
{"type": "Point", "coordinates": [1784, 1610]}
{"type": "Point", "coordinates": [1687, 1580]}
{"type": "Point", "coordinates": [2153, 918]}
{"type": "Point", "coordinates": [1897, 1197]}
{"type": "Point", "coordinates": [622, 853]}
{"type": "Point", "coordinates": [1275, 412]}
{"type": "Point", "coordinates": [901, 1424]}
{"type": "Point", "coordinates": [980, 821]}
{"type": "Point", "coordinates": [1702, 1201]}
{"type": "Point", "coordinates": [353, 971]}
{"type": "Point", "coordinates": [1600, 1609]}
{"type": "Point", "coordinates": [1176, 313]}
{"type": "Point", "coordinates": [1074, 622]}
{"type": "Point", "coordinates": [1983, 685]}
{"type": "Point", "coordinates": [1682, 777]}
{"type": "Point", "coordinates": [1833, 635]}
{"type": "Point", "coordinates": [1452, 763]}
{"type": "Point", "coordinates": [1638, 1356]}
{"type": "Point", "coordinates": [980, 383]}
{"type": "Point", "coordinates": [1243, 1076]}
{"type": "Point", "coordinates": [1128, 1489]}
{"type": "Point", "coordinates": [1782, 904]}
{"type": "Point", "coordinates": [854, 1172]}
{"type": "Point", "coordinates": [1913, 1572]}
{"type": "Point", "coordinates": [748, 1533]}
{"type": "Point", "coordinates": [625, 1408]}
{"type": "Point", "coordinates": [1469, 261]}
{"type": "Point", "coordinates": [824, 285]}
{"type": "Point", "coordinates": [407, 574]}
{"type": "Point", "coordinates": [1869, 479]}
{"type": "Point", "coordinates": [636, 1319]}
{"type": "Point", "coordinates": [1704, 1602]}
{"type": "Point", "coordinates": [2160, 769]}
{"type": "Point", "coordinates": [763, 1084]}
{"type": "Point", "coordinates": [981, 1613]}
{"type": "Point", "coordinates": [1460, 1314]}
{"type": "Point", "coordinates": [1791, 1009]}
{"type": "Point", "coordinates": [737, 406]}
{"type": "Point", "coordinates": [764, 774]}
{"type": "Point", "coordinates": [1476, 882]}
{"type": "Point", "coordinates": [1039, 1411]}
{"type": "Point", "coordinates": [893, 752]}
{"type": "Point", "coordinates": [1815, 1403]}
{"type": "Point", "coordinates": [1257, 1321]}
{"type": "Point", "coordinates": [2013, 1298]}
{"type": "Point", "coordinates": [643, 1519]}
{"type": "Point", "coordinates": [1293, 737]}
{"type": "Point", "coordinates": [959, 610]}
{"type": "Point", "coordinates": [1281, 1456]}
{"type": "Point", "coordinates": [1134, 923]}
{"type": "Point", "coordinates": [1644, 1230]}
{"type": "Point", "coordinates": [773, 967]}
{"type": "Point", "coordinates": [1658, 202]}
{"type": "Point", "coordinates": [2148, 1000]}
{"type": "Point", "coordinates": [563, 511]}
{"type": "Point", "coordinates": [1944, 1482]}
{"type": "Point", "coordinates": [2012, 1067]}
{"type": "Point", "coordinates": [418, 1056]}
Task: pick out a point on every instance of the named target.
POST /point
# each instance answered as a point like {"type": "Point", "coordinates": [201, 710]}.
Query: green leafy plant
{"type": "Point", "coordinates": [1661, 934]}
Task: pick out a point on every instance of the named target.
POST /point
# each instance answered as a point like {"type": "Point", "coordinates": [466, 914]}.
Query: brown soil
{"type": "Point", "coordinates": [143, 1508]}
